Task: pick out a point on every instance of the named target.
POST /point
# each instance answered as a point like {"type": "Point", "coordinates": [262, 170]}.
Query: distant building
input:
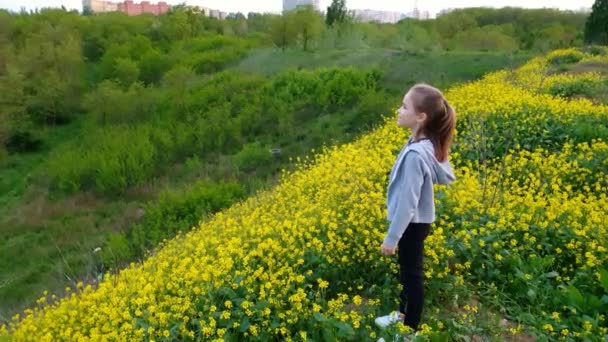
{"type": "Point", "coordinates": [99, 6]}
{"type": "Point", "coordinates": [206, 11]}
{"type": "Point", "coordinates": [127, 6]}
{"type": "Point", "coordinates": [217, 14]}
{"type": "Point", "coordinates": [367, 15]}
{"type": "Point", "coordinates": [289, 5]}
{"type": "Point", "coordinates": [418, 14]}
{"type": "Point", "coordinates": [131, 8]}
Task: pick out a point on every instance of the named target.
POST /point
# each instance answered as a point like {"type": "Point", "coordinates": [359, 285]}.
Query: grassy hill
{"type": "Point", "coordinates": [519, 249]}
{"type": "Point", "coordinates": [55, 212]}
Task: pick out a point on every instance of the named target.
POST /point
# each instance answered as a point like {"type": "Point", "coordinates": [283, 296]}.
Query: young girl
{"type": "Point", "coordinates": [422, 162]}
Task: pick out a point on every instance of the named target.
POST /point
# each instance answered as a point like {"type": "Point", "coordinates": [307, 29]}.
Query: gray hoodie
{"type": "Point", "coordinates": [410, 196]}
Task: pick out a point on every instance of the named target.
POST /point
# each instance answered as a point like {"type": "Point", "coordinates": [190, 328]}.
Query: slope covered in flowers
{"type": "Point", "coordinates": [524, 229]}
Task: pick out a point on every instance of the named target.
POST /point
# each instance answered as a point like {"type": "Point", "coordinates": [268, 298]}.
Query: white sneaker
{"type": "Point", "coordinates": [398, 338]}
{"type": "Point", "coordinates": [385, 321]}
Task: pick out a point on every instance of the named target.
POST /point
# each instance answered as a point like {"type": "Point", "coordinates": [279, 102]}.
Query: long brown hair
{"type": "Point", "coordinates": [440, 120]}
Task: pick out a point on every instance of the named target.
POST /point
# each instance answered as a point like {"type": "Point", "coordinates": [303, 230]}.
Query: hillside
{"type": "Point", "coordinates": [520, 247]}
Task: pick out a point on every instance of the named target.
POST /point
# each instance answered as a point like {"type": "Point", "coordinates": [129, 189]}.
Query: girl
{"type": "Point", "coordinates": [422, 162]}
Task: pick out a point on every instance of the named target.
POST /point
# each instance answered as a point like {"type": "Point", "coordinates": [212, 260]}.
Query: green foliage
{"type": "Point", "coordinates": [595, 50]}
{"type": "Point", "coordinates": [141, 129]}
{"type": "Point", "coordinates": [116, 249]}
{"type": "Point", "coordinates": [283, 31]}
{"type": "Point", "coordinates": [540, 29]}
{"type": "Point", "coordinates": [215, 60]}
{"type": "Point", "coordinates": [110, 104]}
{"type": "Point", "coordinates": [44, 74]}
{"type": "Point", "coordinates": [336, 12]}
{"type": "Point", "coordinates": [109, 159]}
{"type": "Point", "coordinates": [126, 71]}
{"type": "Point", "coordinates": [551, 132]}
{"type": "Point", "coordinates": [596, 27]}
{"type": "Point", "coordinates": [252, 156]}
{"type": "Point", "coordinates": [152, 65]}
{"type": "Point", "coordinates": [22, 141]}
{"type": "Point", "coordinates": [175, 211]}
{"type": "Point", "coordinates": [485, 39]}
{"type": "Point", "coordinates": [566, 58]}
{"type": "Point", "coordinates": [581, 87]}
{"type": "Point", "coordinates": [308, 25]}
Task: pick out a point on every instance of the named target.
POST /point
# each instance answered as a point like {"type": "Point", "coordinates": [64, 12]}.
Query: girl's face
{"type": "Point", "coordinates": [406, 114]}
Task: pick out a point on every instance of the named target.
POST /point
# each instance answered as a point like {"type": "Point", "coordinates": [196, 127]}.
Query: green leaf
{"type": "Point", "coordinates": [604, 280]}
{"type": "Point", "coordinates": [319, 317]}
{"type": "Point", "coordinates": [345, 330]}
{"type": "Point", "coordinates": [261, 305]}
{"type": "Point", "coordinates": [227, 292]}
{"type": "Point", "coordinates": [575, 296]}
{"type": "Point", "coordinates": [328, 334]}
{"type": "Point", "coordinates": [551, 274]}
{"type": "Point", "coordinates": [244, 325]}
{"type": "Point", "coordinates": [435, 337]}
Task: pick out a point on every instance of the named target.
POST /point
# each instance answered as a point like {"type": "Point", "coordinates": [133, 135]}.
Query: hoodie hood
{"type": "Point", "coordinates": [441, 172]}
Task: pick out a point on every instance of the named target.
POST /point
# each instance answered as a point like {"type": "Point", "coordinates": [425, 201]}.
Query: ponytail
{"type": "Point", "coordinates": [441, 118]}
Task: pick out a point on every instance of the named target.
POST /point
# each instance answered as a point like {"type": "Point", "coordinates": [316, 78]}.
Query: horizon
{"type": "Point", "coordinates": [275, 6]}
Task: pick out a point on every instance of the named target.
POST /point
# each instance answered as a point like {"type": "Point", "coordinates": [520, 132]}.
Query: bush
{"type": "Point", "coordinates": [213, 61]}
{"type": "Point", "coordinates": [567, 56]}
{"type": "Point", "coordinates": [595, 50]}
{"type": "Point", "coordinates": [107, 160]}
{"type": "Point", "coordinates": [175, 211]}
{"type": "Point", "coordinates": [252, 156]}
{"type": "Point", "coordinates": [116, 249]}
{"type": "Point", "coordinates": [372, 106]}
{"type": "Point", "coordinates": [577, 87]}
{"type": "Point", "coordinates": [22, 141]}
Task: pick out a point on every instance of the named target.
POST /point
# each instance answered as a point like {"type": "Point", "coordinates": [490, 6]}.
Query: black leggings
{"type": "Point", "coordinates": [411, 275]}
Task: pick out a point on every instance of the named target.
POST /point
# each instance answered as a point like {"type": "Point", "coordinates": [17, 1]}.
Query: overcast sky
{"type": "Point", "coordinates": [245, 6]}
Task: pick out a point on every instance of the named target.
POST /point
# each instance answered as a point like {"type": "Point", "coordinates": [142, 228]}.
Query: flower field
{"type": "Point", "coordinates": [521, 237]}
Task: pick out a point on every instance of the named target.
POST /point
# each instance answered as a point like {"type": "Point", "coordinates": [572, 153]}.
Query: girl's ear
{"type": "Point", "coordinates": [421, 117]}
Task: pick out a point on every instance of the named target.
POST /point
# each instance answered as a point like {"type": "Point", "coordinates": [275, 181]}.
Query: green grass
{"type": "Point", "coordinates": [401, 68]}
{"type": "Point", "coordinates": [18, 171]}
{"type": "Point", "coordinates": [47, 243]}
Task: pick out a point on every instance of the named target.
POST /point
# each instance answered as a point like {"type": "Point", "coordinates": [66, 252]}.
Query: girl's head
{"type": "Point", "coordinates": [428, 114]}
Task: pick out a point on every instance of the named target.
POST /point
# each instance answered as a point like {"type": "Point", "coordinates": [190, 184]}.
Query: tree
{"type": "Point", "coordinates": [336, 12]}
{"type": "Point", "coordinates": [106, 102]}
{"type": "Point", "coordinates": [126, 71]}
{"type": "Point", "coordinates": [179, 83]}
{"type": "Point", "coordinates": [596, 28]}
{"type": "Point", "coordinates": [12, 104]}
{"type": "Point", "coordinates": [54, 70]}
{"type": "Point", "coordinates": [259, 22]}
{"type": "Point", "coordinates": [240, 27]}
{"type": "Point", "coordinates": [457, 21]}
{"type": "Point", "coordinates": [152, 66]}
{"type": "Point", "coordinates": [282, 30]}
{"type": "Point", "coordinates": [308, 25]}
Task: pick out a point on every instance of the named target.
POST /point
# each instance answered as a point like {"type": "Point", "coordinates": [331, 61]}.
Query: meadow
{"type": "Point", "coordinates": [519, 250]}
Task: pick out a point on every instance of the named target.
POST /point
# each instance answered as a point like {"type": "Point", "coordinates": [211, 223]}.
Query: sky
{"type": "Point", "coordinates": [404, 6]}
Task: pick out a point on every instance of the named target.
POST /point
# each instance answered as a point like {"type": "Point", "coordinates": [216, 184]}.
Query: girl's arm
{"type": "Point", "coordinates": [408, 194]}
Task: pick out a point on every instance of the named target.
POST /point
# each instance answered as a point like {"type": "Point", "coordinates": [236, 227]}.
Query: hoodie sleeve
{"type": "Point", "coordinates": [408, 190]}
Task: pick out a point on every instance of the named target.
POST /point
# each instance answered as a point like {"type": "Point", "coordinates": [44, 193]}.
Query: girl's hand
{"type": "Point", "coordinates": [387, 250]}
